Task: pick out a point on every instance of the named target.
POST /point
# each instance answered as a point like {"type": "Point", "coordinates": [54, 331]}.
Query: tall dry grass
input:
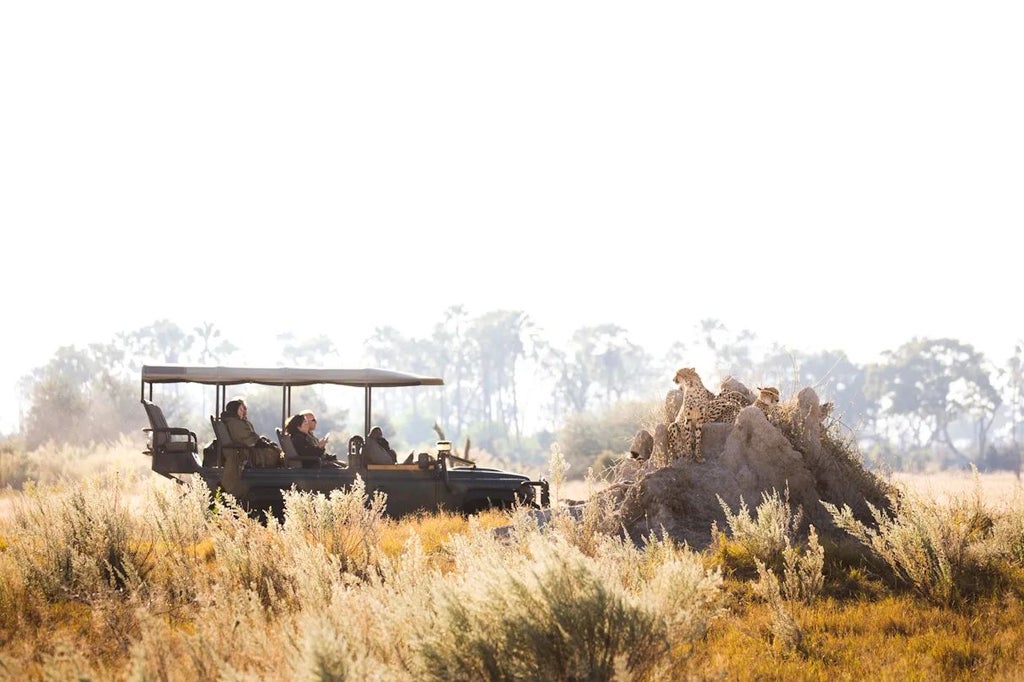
{"type": "Point", "coordinates": [939, 548]}
{"type": "Point", "coordinates": [109, 578]}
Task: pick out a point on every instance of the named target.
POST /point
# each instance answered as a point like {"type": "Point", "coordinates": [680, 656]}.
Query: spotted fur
{"type": "Point", "coordinates": [767, 401]}
{"type": "Point", "coordinates": [699, 407]}
{"type": "Point", "coordinates": [734, 396]}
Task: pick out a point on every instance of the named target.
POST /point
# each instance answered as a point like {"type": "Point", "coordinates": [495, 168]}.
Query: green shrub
{"type": "Point", "coordinates": [927, 545]}
{"type": "Point", "coordinates": [770, 538]}
{"type": "Point", "coordinates": [766, 534]}
{"type": "Point", "coordinates": [564, 616]}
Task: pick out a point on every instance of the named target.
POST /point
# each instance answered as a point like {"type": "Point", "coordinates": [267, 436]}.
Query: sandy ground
{"type": "Point", "coordinates": [997, 488]}
{"type": "Point", "coordinates": [577, 490]}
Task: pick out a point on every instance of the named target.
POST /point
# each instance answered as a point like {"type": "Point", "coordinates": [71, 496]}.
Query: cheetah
{"type": "Point", "coordinates": [733, 389]}
{"type": "Point", "coordinates": [735, 397]}
{"type": "Point", "coordinates": [699, 406]}
{"type": "Point", "coordinates": [768, 401]}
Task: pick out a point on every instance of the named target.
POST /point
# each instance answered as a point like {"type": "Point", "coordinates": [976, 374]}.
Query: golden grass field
{"type": "Point", "coordinates": [108, 572]}
{"type": "Point", "coordinates": [998, 488]}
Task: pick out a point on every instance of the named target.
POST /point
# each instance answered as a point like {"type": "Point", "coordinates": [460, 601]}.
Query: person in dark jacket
{"type": "Point", "coordinates": [300, 428]}
{"type": "Point", "coordinates": [236, 418]}
{"type": "Point", "coordinates": [377, 450]}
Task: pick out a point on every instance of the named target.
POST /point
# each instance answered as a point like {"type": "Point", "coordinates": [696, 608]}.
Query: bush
{"type": "Point", "coordinates": [585, 437]}
{"type": "Point", "coordinates": [770, 539]}
{"type": "Point", "coordinates": [927, 545]}
{"type": "Point", "coordinates": [80, 542]}
{"type": "Point", "coordinates": [563, 616]}
{"type": "Point", "coordinates": [345, 523]}
{"type": "Point", "coordinates": [766, 535]}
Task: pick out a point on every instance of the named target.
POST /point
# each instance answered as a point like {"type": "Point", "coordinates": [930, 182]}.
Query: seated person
{"type": "Point", "coordinates": [236, 418]}
{"type": "Point", "coordinates": [377, 450]}
{"type": "Point", "coordinates": [300, 428]}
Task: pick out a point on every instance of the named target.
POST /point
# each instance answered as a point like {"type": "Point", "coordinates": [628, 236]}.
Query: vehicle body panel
{"type": "Point", "coordinates": [430, 481]}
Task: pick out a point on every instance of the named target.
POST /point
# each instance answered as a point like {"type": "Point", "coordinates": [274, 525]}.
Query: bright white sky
{"type": "Point", "coordinates": [827, 175]}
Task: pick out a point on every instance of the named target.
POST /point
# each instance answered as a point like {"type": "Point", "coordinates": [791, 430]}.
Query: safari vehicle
{"type": "Point", "coordinates": [428, 481]}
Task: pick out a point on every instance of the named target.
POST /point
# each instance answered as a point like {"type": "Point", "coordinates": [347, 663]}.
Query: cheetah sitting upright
{"type": "Point", "coordinates": [767, 401]}
{"type": "Point", "coordinates": [699, 406]}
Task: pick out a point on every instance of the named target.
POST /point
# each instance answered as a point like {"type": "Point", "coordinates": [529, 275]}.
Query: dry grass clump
{"type": "Point", "coordinates": [80, 542]}
{"type": "Point", "coordinates": [184, 556]}
{"type": "Point", "coordinates": [764, 535]}
{"type": "Point", "coordinates": [1002, 531]}
{"type": "Point", "coordinates": [769, 538]}
{"type": "Point", "coordinates": [51, 464]}
{"type": "Point", "coordinates": [934, 548]}
{"type": "Point", "coordinates": [788, 572]}
{"type": "Point", "coordinates": [97, 583]}
{"type": "Point", "coordinates": [346, 525]}
{"type": "Point", "coordinates": [556, 613]}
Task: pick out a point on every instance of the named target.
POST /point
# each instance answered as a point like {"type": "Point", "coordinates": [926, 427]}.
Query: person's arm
{"type": "Point", "coordinates": [307, 446]}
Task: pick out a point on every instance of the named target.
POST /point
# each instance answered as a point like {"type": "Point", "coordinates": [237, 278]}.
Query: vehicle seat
{"type": "Point", "coordinates": [165, 439]}
{"type": "Point", "coordinates": [355, 451]}
{"type": "Point", "coordinates": [246, 456]}
{"type": "Point", "coordinates": [374, 453]}
{"type": "Point", "coordinates": [173, 449]}
{"type": "Point", "coordinates": [292, 459]}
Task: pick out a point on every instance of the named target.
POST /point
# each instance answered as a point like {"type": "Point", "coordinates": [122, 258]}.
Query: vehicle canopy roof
{"type": "Point", "coordinates": [367, 378]}
{"type": "Point", "coordinates": [282, 376]}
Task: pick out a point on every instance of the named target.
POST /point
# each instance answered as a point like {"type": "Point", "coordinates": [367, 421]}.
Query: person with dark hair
{"type": "Point", "coordinates": [236, 418]}
{"type": "Point", "coordinates": [377, 450]}
{"type": "Point", "coordinates": [300, 428]}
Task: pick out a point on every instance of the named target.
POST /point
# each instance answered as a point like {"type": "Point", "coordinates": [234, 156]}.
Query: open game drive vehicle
{"type": "Point", "coordinates": [426, 481]}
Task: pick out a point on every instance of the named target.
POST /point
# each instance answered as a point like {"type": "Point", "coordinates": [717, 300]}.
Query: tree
{"type": "Point", "coordinates": [731, 352]}
{"type": "Point", "coordinates": [454, 355]}
{"type": "Point", "coordinates": [390, 349]}
{"type": "Point", "coordinates": [714, 351]}
{"type": "Point", "coordinates": [386, 348]}
{"type": "Point", "coordinates": [609, 365]}
{"type": "Point", "coordinates": [312, 352]}
{"type": "Point", "coordinates": [498, 337]}
{"type": "Point", "coordinates": [931, 384]}
{"type": "Point", "coordinates": [570, 383]}
{"type": "Point", "coordinates": [1013, 378]}
{"type": "Point", "coordinates": [77, 397]}
{"type": "Point", "coordinates": [161, 342]}
{"type": "Point", "coordinates": [586, 436]}
{"type": "Point", "coordinates": [834, 377]}
{"type": "Point", "coordinates": [213, 348]}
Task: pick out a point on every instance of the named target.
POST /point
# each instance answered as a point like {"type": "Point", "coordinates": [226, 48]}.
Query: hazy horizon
{"type": "Point", "coordinates": [828, 177]}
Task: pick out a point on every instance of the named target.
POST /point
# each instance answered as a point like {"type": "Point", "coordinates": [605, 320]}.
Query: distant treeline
{"type": "Point", "coordinates": [929, 403]}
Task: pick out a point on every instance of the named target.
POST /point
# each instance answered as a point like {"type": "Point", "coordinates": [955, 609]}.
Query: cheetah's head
{"type": "Point", "coordinates": [768, 394]}
{"type": "Point", "coordinates": [684, 375]}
